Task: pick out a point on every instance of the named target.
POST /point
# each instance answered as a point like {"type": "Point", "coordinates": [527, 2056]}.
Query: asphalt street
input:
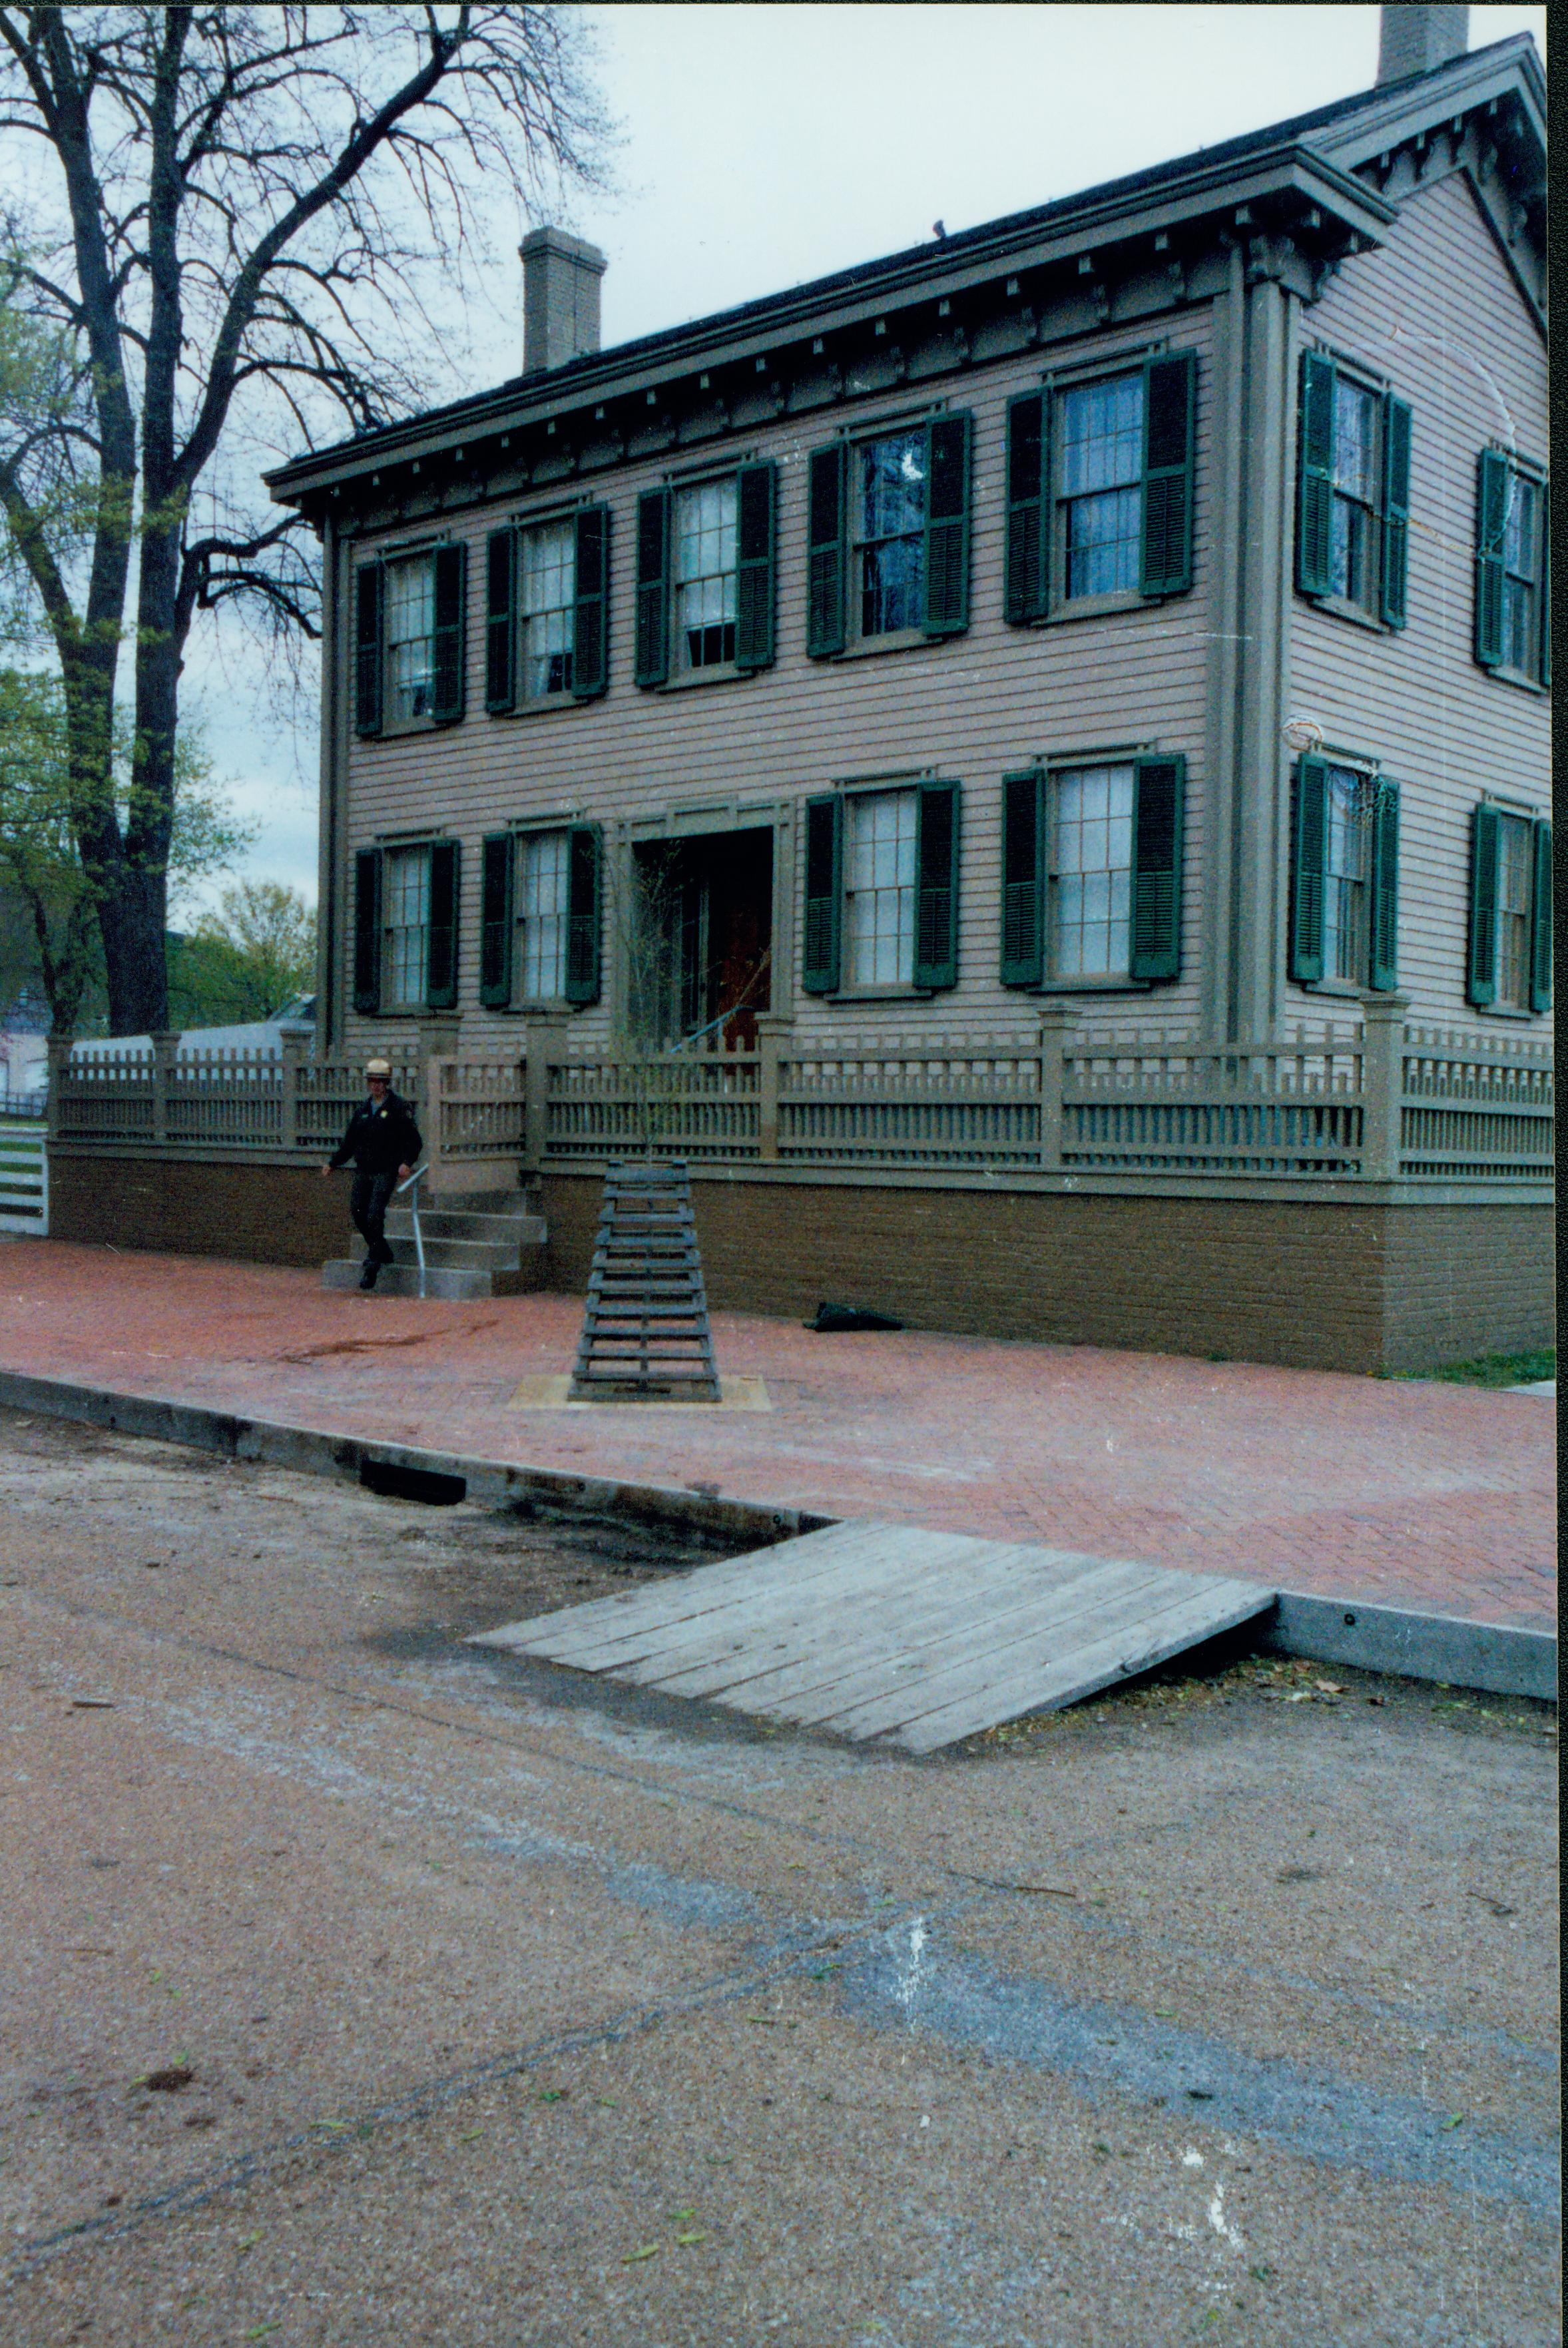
{"type": "Point", "coordinates": [363, 1987]}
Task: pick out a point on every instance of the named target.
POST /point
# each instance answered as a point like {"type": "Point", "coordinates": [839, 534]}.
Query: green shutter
{"type": "Point", "coordinates": [1314, 476]}
{"type": "Point", "coordinates": [1170, 393]}
{"type": "Point", "coordinates": [826, 560]}
{"type": "Point", "coordinates": [1491, 522]}
{"type": "Point", "coordinates": [446, 657]}
{"type": "Point", "coordinates": [368, 929]}
{"type": "Point", "coordinates": [947, 443]}
{"type": "Point", "coordinates": [1394, 581]}
{"type": "Point", "coordinates": [1545, 598]}
{"type": "Point", "coordinates": [1028, 509]}
{"type": "Point", "coordinates": [756, 499]}
{"type": "Point", "coordinates": [1383, 975]}
{"type": "Point", "coordinates": [1158, 804]}
{"type": "Point", "coordinates": [591, 613]}
{"type": "Point", "coordinates": [936, 887]}
{"type": "Point", "coordinates": [369, 661]}
{"type": "Point", "coordinates": [584, 919]}
{"type": "Point", "coordinates": [1309, 856]}
{"type": "Point", "coordinates": [500, 863]}
{"type": "Point", "coordinates": [501, 620]}
{"type": "Point", "coordinates": [652, 648]}
{"type": "Point", "coordinates": [824, 894]}
{"type": "Point", "coordinates": [441, 968]}
{"type": "Point", "coordinates": [1023, 877]}
{"type": "Point", "coordinates": [1481, 978]}
{"type": "Point", "coordinates": [1541, 922]}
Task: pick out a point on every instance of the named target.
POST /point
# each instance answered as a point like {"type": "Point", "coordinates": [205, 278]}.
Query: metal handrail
{"type": "Point", "coordinates": [413, 1184]}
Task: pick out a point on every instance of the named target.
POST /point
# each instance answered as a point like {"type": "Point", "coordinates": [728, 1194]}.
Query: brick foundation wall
{"type": "Point", "coordinates": [1312, 1285]}
{"type": "Point", "coordinates": [178, 1206]}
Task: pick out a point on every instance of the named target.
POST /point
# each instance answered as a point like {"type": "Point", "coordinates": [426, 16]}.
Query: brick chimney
{"type": "Point", "coordinates": [1413, 40]}
{"type": "Point", "coordinates": [560, 277]}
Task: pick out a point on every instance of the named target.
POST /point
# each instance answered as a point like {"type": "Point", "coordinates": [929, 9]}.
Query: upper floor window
{"type": "Point", "coordinates": [1353, 492]}
{"type": "Point", "coordinates": [890, 534]}
{"type": "Point", "coordinates": [1345, 876]}
{"type": "Point", "coordinates": [1100, 497]}
{"type": "Point", "coordinates": [1513, 620]}
{"type": "Point", "coordinates": [705, 574]}
{"type": "Point", "coordinates": [1100, 489]}
{"type": "Point", "coordinates": [1510, 910]}
{"type": "Point", "coordinates": [547, 595]}
{"type": "Point", "coordinates": [410, 638]}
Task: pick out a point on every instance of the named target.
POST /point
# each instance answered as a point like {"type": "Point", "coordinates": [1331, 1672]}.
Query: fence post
{"type": "Point", "coordinates": [292, 1056]}
{"type": "Point", "coordinates": [1382, 1084]}
{"type": "Point", "coordinates": [58, 1050]}
{"type": "Point", "coordinates": [165, 1043]}
{"type": "Point", "coordinates": [543, 1040]}
{"type": "Point", "coordinates": [772, 1026]}
{"type": "Point", "coordinates": [1052, 1049]}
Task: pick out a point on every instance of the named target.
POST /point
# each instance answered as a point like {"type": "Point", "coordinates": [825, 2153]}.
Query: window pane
{"type": "Point", "coordinates": [1519, 527]}
{"type": "Point", "coordinates": [407, 921]}
{"type": "Point", "coordinates": [704, 536]}
{"type": "Point", "coordinates": [542, 898]}
{"type": "Point", "coordinates": [410, 636]}
{"type": "Point", "coordinates": [892, 534]}
{"type": "Point", "coordinates": [1102, 435]}
{"type": "Point", "coordinates": [1345, 896]}
{"type": "Point", "coordinates": [1089, 880]}
{"type": "Point", "coordinates": [879, 896]}
{"type": "Point", "coordinates": [1515, 893]}
{"type": "Point", "coordinates": [547, 587]}
{"type": "Point", "coordinates": [1355, 440]}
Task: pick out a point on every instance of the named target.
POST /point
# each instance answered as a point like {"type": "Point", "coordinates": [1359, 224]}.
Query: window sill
{"type": "Point", "coordinates": [548, 706]}
{"type": "Point", "coordinates": [1518, 678]}
{"type": "Point", "coordinates": [882, 994]}
{"type": "Point", "coordinates": [1338, 608]}
{"type": "Point", "coordinates": [1096, 607]}
{"type": "Point", "coordinates": [1507, 1011]}
{"type": "Point", "coordinates": [722, 673]}
{"type": "Point", "coordinates": [1093, 987]}
{"type": "Point", "coordinates": [900, 640]}
{"type": "Point", "coordinates": [1345, 989]}
{"type": "Point", "coordinates": [399, 729]}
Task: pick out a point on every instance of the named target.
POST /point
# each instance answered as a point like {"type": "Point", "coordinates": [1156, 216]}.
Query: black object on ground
{"type": "Point", "coordinates": [834, 1317]}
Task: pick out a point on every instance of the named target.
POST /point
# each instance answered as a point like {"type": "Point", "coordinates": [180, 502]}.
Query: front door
{"type": "Point", "coordinates": [701, 960]}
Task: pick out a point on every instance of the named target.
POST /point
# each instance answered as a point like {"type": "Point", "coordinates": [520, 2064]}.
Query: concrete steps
{"type": "Point", "coordinates": [489, 1244]}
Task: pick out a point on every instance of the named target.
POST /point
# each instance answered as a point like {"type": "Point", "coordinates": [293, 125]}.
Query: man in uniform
{"type": "Point", "coordinates": [384, 1142]}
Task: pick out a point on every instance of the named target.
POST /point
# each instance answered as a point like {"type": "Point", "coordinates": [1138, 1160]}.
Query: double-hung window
{"type": "Point", "coordinates": [1513, 621]}
{"type": "Point", "coordinates": [1510, 910]}
{"type": "Point", "coordinates": [407, 899]}
{"type": "Point", "coordinates": [1088, 872]}
{"type": "Point", "coordinates": [1100, 487]}
{"type": "Point", "coordinates": [1353, 492]}
{"type": "Point", "coordinates": [1345, 876]}
{"type": "Point", "coordinates": [544, 905]}
{"type": "Point", "coordinates": [410, 638]}
{"type": "Point", "coordinates": [547, 597]}
{"type": "Point", "coordinates": [878, 888]}
{"type": "Point", "coordinates": [705, 574]}
{"type": "Point", "coordinates": [1091, 872]}
{"type": "Point", "coordinates": [889, 536]}
{"type": "Point", "coordinates": [1352, 556]}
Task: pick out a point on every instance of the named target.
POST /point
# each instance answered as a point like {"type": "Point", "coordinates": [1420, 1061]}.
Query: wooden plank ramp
{"type": "Point", "coordinates": [915, 1639]}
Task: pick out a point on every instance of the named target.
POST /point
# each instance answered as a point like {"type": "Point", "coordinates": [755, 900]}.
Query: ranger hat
{"type": "Point", "coordinates": [378, 1067]}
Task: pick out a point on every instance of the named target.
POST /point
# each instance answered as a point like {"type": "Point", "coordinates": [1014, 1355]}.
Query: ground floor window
{"type": "Point", "coordinates": [543, 903]}
{"type": "Point", "coordinates": [1515, 909]}
{"type": "Point", "coordinates": [878, 887]}
{"type": "Point", "coordinates": [1346, 877]}
{"type": "Point", "coordinates": [1088, 872]}
{"type": "Point", "coordinates": [408, 932]}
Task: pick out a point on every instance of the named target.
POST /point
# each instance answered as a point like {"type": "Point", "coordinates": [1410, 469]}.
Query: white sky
{"type": "Point", "coordinates": [765, 145]}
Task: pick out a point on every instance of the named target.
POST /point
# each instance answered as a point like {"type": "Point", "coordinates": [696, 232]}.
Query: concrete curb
{"type": "Point", "coordinates": [1444, 1648]}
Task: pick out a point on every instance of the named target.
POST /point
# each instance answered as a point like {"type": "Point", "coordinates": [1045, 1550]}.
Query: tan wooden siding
{"type": "Point", "coordinates": [971, 707]}
{"type": "Point", "coordinates": [1437, 310]}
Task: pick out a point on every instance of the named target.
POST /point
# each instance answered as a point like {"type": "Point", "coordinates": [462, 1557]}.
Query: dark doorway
{"type": "Point", "coordinates": [701, 964]}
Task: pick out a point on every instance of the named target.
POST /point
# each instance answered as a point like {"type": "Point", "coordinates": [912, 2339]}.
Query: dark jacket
{"type": "Point", "coordinates": [381, 1139]}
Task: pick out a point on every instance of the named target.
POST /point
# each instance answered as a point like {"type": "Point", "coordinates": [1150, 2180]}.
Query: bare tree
{"type": "Point", "coordinates": [242, 213]}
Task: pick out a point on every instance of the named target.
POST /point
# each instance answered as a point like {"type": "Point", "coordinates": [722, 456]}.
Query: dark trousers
{"type": "Point", "coordinates": [367, 1203]}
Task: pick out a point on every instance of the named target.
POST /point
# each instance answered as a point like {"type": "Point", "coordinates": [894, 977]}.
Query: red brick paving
{"type": "Point", "coordinates": [1435, 1497]}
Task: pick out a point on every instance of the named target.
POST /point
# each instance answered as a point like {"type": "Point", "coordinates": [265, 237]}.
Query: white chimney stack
{"type": "Point", "coordinates": [560, 277]}
{"type": "Point", "coordinates": [1414, 40]}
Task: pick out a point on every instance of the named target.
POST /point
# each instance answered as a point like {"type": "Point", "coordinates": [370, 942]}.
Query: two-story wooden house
{"type": "Point", "coordinates": [1124, 623]}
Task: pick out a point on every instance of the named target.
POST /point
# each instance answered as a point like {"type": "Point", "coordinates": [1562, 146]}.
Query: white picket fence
{"type": "Point", "coordinates": [23, 1175]}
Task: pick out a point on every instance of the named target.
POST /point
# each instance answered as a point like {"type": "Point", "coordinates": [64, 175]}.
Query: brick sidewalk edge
{"type": "Point", "coordinates": [1446, 1649]}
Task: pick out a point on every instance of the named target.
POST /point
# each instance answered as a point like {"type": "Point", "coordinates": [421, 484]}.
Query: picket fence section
{"type": "Point", "coordinates": [1380, 1100]}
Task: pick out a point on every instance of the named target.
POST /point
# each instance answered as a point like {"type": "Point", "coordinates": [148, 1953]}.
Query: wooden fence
{"type": "Point", "coordinates": [1379, 1100]}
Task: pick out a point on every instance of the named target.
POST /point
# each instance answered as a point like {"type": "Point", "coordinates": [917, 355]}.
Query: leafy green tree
{"type": "Point", "coordinates": [40, 803]}
{"type": "Point", "coordinates": [235, 219]}
{"type": "Point", "coordinates": [244, 961]}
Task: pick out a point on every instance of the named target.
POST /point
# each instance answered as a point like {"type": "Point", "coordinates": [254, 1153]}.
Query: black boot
{"type": "Point", "coordinates": [368, 1277]}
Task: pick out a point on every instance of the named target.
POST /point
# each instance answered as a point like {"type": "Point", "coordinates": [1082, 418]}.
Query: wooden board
{"type": "Point", "coordinates": [888, 1632]}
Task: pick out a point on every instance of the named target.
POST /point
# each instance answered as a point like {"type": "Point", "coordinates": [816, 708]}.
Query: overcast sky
{"type": "Point", "coordinates": [766, 145]}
